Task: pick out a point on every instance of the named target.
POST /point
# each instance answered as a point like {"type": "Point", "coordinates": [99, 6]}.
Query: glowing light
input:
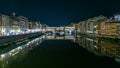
{"type": "Point", "coordinates": [19, 47]}
{"type": "Point", "coordinates": [3, 55]}
{"type": "Point", "coordinates": [15, 53]}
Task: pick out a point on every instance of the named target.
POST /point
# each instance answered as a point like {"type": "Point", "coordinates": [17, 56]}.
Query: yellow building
{"type": "Point", "coordinates": [112, 50]}
{"type": "Point", "coordinates": [113, 28]}
{"type": "Point", "coordinates": [109, 27]}
{"type": "Point", "coordinates": [82, 27]}
{"type": "Point", "coordinates": [30, 25]}
{"type": "Point", "coordinates": [100, 26]}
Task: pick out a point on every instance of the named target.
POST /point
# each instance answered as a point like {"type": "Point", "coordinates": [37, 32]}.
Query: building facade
{"type": "Point", "coordinates": [82, 27]}
{"type": "Point", "coordinates": [23, 23]}
{"type": "Point", "coordinates": [4, 25]}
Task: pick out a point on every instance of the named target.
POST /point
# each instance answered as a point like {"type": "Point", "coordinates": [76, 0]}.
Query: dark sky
{"type": "Point", "coordinates": [60, 12]}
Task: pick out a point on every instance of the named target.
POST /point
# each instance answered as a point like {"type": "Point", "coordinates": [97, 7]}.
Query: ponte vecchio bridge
{"type": "Point", "coordinates": [54, 30]}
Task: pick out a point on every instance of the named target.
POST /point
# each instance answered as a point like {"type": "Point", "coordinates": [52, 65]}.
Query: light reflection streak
{"type": "Point", "coordinates": [54, 37]}
{"type": "Point", "coordinates": [8, 57]}
{"type": "Point", "coordinates": [100, 47]}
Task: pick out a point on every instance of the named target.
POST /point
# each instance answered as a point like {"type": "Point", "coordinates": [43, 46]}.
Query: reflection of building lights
{"type": "Point", "coordinates": [27, 44]}
{"type": "Point", "coordinates": [10, 53]}
{"type": "Point", "coordinates": [15, 53]}
{"type": "Point", "coordinates": [3, 30]}
{"type": "Point", "coordinates": [19, 47]}
{"type": "Point", "coordinates": [96, 46]}
{"type": "Point", "coordinates": [13, 50]}
{"type": "Point", "coordinates": [117, 59]}
{"type": "Point", "coordinates": [7, 62]}
{"type": "Point", "coordinates": [3, 55]}
{"type": "Point", "coordinates": [32, 41]}
{"type": "Point", "coordinates": [37, 43]}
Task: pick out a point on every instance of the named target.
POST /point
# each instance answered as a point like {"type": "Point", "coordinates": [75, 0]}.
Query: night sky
{"type": "Point", "coordinates": [60, 12]}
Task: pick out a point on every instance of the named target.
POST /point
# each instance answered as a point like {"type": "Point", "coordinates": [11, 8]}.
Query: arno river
{"type": "Point", "coordinates": [61, 52]}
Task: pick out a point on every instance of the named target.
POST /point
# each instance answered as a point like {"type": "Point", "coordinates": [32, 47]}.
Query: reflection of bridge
{"type": "Point", "coordinates": [59, 38]}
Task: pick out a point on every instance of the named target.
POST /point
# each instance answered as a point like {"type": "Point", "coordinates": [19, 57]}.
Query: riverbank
{"type": "Point", "coordinates": [5, 40]}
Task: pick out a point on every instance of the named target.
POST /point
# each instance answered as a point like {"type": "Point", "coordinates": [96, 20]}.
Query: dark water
{"type": "Point", "coordinates": [58, 54]}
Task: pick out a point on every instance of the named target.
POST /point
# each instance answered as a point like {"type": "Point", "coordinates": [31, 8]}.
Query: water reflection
{"type": "Point", "coordinates": [54, 37]}
{"type": "Point", "coordinates": [100, 47]}
{"type": "Point", "coordinates": [17, 51]}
